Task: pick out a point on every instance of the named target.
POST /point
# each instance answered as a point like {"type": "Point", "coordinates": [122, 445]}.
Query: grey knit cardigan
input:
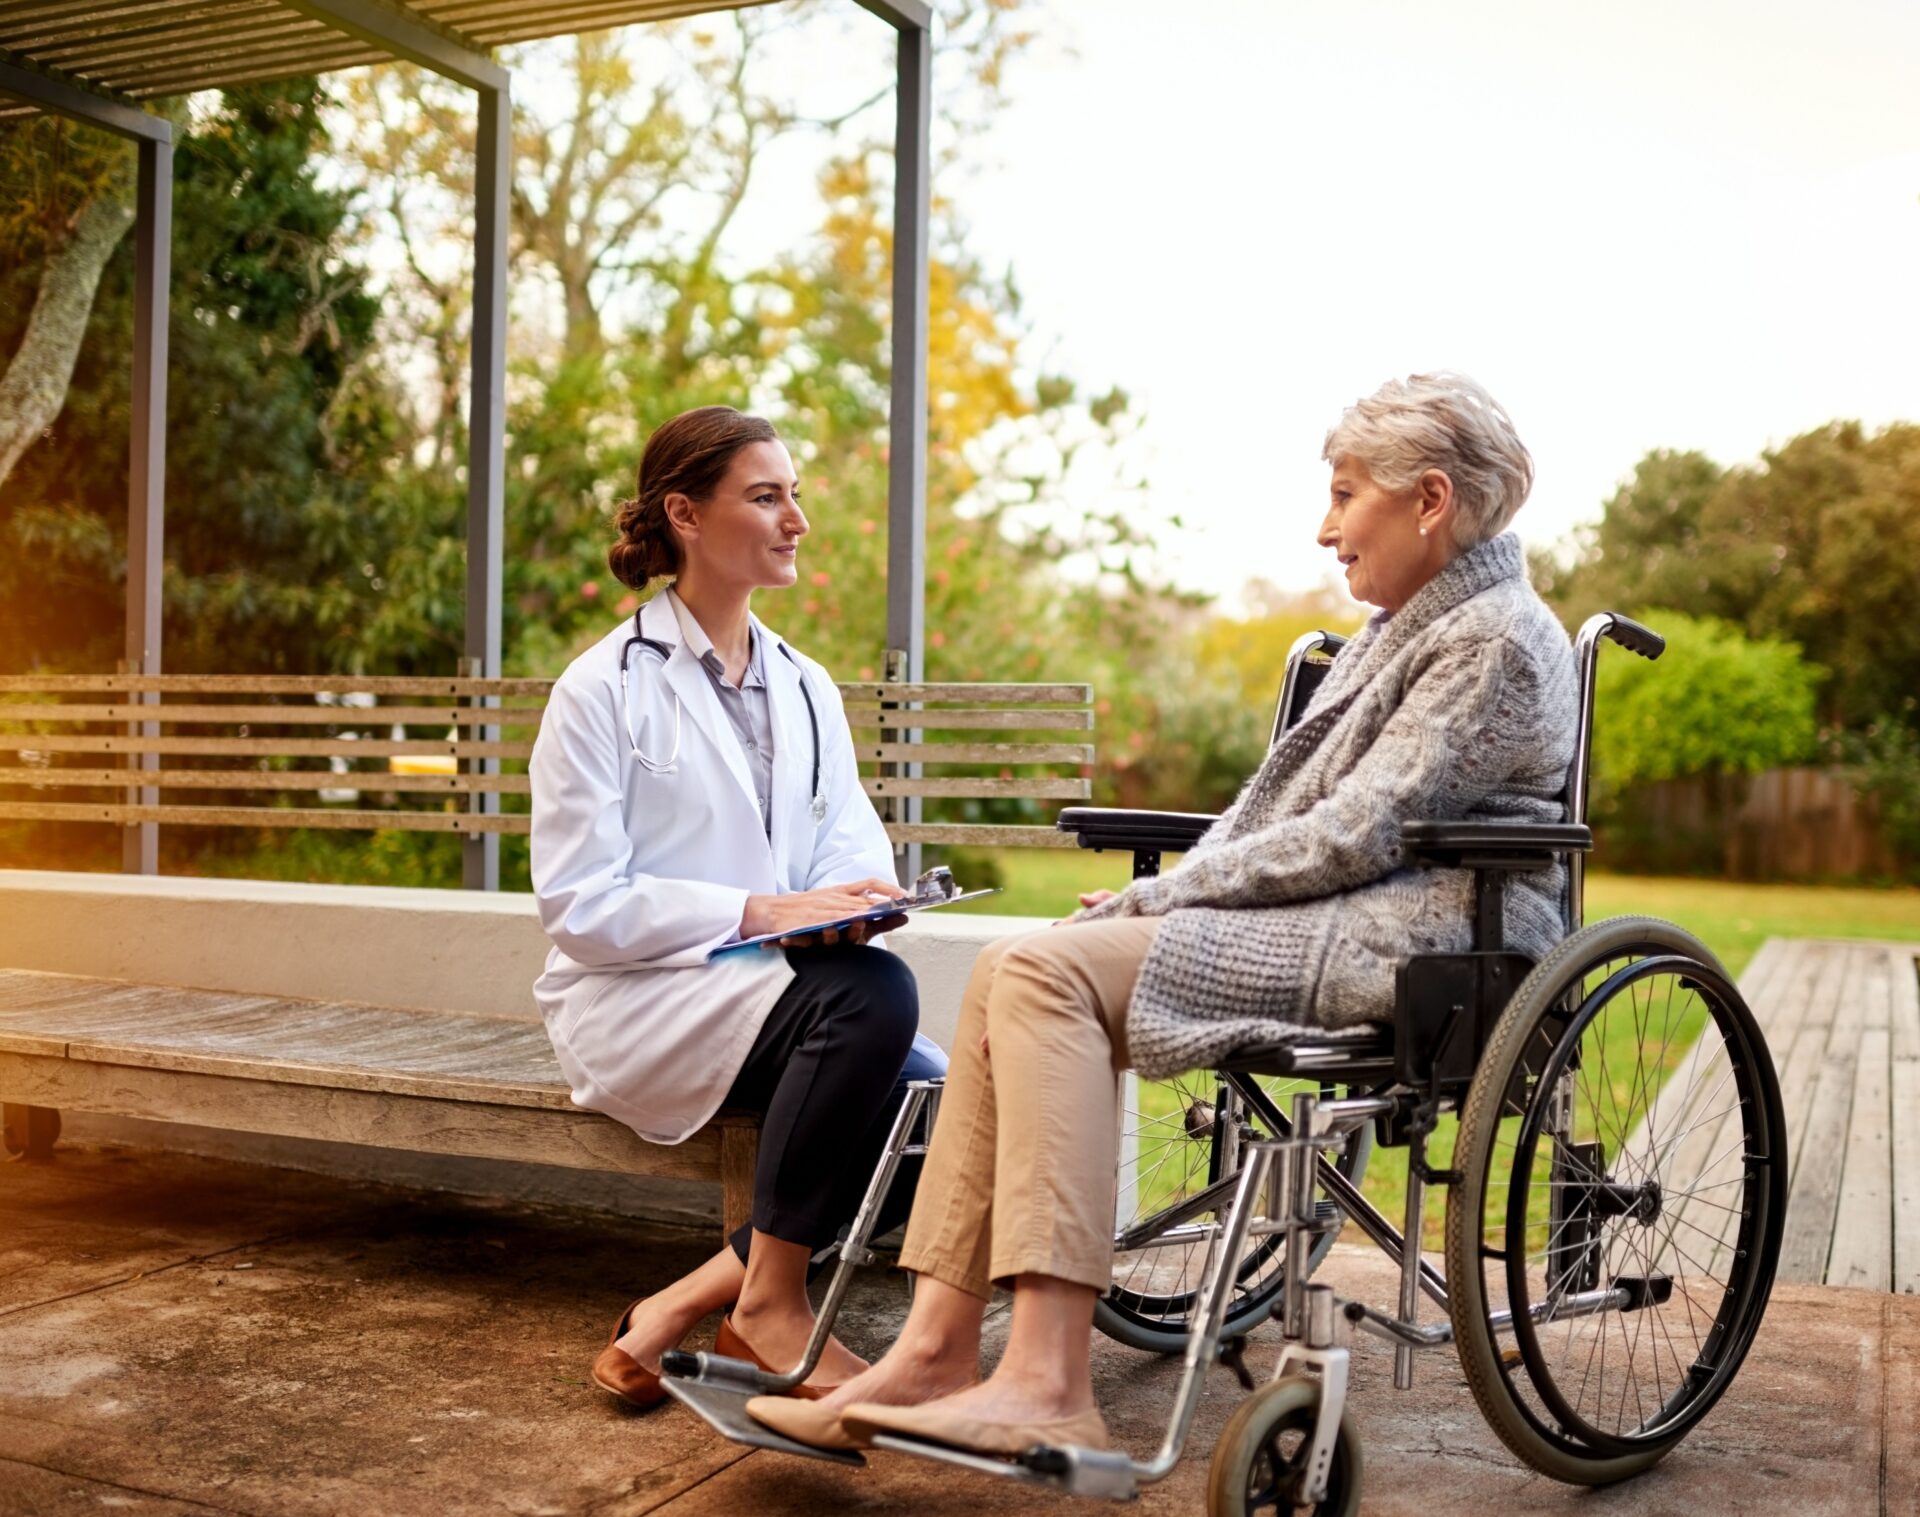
{"type": "Point", "coordinates": [1295, 908]}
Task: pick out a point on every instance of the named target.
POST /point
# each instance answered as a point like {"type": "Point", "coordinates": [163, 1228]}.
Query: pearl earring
{"type": "Point", "coordinates": [1423, 531]}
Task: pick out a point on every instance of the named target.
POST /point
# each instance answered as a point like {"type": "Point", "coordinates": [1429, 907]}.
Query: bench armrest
{"type": "Point", "coordinates": [1493, 845]}
{"type": "Point", "coordinates": [1103, 827]}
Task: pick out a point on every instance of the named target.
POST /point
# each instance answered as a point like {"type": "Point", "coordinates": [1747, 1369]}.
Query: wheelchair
{"type": "Point", "coordinates": [1615, 1176]}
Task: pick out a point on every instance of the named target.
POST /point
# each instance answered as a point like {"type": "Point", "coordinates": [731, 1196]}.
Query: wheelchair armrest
{"type": "Point", "coordinates": [1493, 845]}
{"type": "Point", "coordinates": [1102, 827]}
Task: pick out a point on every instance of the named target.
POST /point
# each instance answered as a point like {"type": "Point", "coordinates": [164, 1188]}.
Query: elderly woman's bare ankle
{"type": "Point", "coordinates": [943, 1329]}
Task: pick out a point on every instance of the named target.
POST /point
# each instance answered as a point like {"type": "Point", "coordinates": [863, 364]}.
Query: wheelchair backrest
{"type": "Point", "coordinates": [1311, 656]}
{"type": "Point", "coordinates": [1308, 661]}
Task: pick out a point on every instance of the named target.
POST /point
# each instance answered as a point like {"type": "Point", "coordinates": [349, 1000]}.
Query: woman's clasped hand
{"type": "Point", "coordinates": [801, 909]}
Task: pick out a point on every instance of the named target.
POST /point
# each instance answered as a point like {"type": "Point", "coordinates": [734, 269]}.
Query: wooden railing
{"type": "Point", "coordinates": [145, 736]}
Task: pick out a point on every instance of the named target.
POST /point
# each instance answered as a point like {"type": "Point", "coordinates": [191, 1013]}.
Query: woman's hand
{"type": "Point", "coordinates": [777, 913]}
{"type": "Point", "coordinates": [1088, 898]}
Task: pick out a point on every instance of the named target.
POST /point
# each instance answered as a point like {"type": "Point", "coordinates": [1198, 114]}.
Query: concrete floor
{"type": "Point", "coordinates": [182, 1335]}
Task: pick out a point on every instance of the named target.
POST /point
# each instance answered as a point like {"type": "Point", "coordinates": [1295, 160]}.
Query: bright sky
{"type": "Point", "coordinates": [1639, 224]}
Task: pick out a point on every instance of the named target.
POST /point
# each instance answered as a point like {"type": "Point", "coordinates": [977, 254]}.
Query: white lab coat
{"type": "Point", "coordinates": [639, 874]}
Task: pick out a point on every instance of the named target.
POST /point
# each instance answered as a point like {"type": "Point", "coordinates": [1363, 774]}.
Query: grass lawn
{"type": "Point", "coordinates": [1733, 919]}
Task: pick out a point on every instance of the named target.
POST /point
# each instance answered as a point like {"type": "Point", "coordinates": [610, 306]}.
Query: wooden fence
{"type": "Point", "coordinates": [1783, 824]}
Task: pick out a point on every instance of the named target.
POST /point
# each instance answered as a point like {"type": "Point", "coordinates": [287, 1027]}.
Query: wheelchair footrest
{"type": "Point", "coordinates": [724, 1409]}
{"type": "Point", "coordinates": [1106, 1473]}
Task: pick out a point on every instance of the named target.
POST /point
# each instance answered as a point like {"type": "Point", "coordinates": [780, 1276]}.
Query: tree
{"type": "Point", "coordinates": [1814, 545]}
{"type": "Point", "coordinates": [71, 204]}
{"type": "Point", "coordinates": [275, 421]}
{"type": "Point", "coordinates": [1644, 549]}
{"type": "Point", "coordinates": [624, 198]}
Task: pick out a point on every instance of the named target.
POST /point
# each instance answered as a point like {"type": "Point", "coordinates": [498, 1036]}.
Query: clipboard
{"type": "Point", "coordinates": [878, 914]}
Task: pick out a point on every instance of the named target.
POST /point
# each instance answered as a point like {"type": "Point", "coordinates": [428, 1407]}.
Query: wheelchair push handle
{"type": "Point", "coordinates": [1634, 637]}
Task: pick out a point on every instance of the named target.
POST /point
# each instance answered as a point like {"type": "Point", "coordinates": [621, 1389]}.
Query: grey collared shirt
{"type": "Point", "coordinates": [746, 705]}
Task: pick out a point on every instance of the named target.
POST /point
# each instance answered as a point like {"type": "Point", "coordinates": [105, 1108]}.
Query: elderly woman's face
{"type": "Point", "coordinates": [1376, 533]}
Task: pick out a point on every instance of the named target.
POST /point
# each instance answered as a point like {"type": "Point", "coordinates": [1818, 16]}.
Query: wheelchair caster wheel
{"type": "Point", "coordinates": [1262, 1453]}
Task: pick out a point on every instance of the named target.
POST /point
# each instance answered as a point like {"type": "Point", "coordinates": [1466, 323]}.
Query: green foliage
{"type": "Point", "coordinates": [1885, 758]}
{"type": "Point", "coordinates": [272, 439]}
{"type": "Point", "coordinates": [1716, 703]}
{"type": "Point", "coordinates": [1252, 650]}
{"type": "Point", "coordinates": [1815, 544]}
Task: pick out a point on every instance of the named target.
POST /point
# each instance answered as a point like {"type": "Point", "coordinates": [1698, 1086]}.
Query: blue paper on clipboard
{"type": "Point", "coordinates": [879, 913]}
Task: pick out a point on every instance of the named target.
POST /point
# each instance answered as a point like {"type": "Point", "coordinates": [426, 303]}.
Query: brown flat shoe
{"type": "Point", "coordinates": [730, 1345]}
{"type": "Point", "coordinates": [619, 1374]}
{"type": "Point", "coordinates": [1006, 1440]}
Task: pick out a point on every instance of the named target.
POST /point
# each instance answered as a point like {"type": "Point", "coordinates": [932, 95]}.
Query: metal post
{"type": "Point", "coordinates": [486, 451]}
{"type": "Point", "coordinates": [907, 406]}
{"type": "Point", "coordinates": [147, 470]}
{"type": "Point", "coordinates": [448, 53]}
{"type": "Point", "coordinates": [152, 136]}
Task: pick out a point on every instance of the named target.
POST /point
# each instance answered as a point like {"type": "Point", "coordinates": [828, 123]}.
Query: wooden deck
{"type": "Point", "coordinates": [1843, 1021]}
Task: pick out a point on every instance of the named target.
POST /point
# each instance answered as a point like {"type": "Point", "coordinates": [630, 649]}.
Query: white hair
{"type": "Point", "coordinates": [1443, 421]}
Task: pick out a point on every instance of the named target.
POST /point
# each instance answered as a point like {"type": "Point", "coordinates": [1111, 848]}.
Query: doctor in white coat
{"type": "Point", "coordinates": [694, 783]}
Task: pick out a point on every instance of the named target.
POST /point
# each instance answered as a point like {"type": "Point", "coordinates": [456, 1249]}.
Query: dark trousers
{"type": "Point", "coordinates": [824, 1075]}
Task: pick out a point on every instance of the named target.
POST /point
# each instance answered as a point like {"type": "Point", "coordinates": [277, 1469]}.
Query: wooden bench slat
{"type": "Point", "coordinates": [263, 747]}
{"type": "Point", "coordinates": [974, 753]}
{"type": "Point", "coordinates": [348, 1045]}
{"type": "Point", "coordinates": [462, 688]}
{"type": "Point", "coordinates": [375, 780]}
{"type": "Point", "coordinates": [1059, 790]}
{"type": "Point", "coordinates": [980, 835]}
{"type": "Point", "coordinates": [1037, 720]}
{"type": "Point", "coordinates": [266, 816]}
{"type": "Point", "coordinates": [271, 684]}
{"type": "Point", "coordinates": [1009, 695]}
{"type": "Point", "coordinates": [283, 716]}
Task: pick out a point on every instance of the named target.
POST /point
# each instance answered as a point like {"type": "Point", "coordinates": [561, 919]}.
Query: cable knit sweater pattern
{"type": "Point", "coordinates": [1295, 909]}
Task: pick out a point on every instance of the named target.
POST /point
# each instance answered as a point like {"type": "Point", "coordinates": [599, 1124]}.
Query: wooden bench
{"type": "Point", "coordinates": [432, 1081]}
{"type": "Point", "coordinates": [280, 752]}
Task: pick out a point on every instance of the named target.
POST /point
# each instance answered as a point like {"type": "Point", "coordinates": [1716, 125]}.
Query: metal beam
{"type": "Point", "coordinates": [486, 447]}
{"type": "Point", "coordinates": [440, 49]}
{"type": "Point", "coordinates": [906, 15]}
{"type": "Point", "coordinates": [147, 470]}
{"type": "Point", "coordinates": [65, 95]}
{"type": "Point", "coordinates": [907, 403]}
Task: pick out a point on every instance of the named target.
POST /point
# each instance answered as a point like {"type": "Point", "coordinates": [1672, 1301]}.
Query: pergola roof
{"type": "Point", "coordinates": [145, 48]}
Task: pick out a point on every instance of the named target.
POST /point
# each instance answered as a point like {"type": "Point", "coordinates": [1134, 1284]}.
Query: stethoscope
{"type": "Point", "coordinates": [670, 765]}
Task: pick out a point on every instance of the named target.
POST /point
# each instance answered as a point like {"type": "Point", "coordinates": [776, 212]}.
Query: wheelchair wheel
{"type": "Point", "coordinates": [1179, 1139]}
{"type": "Point", "coordinates": [1263, 1448]}
{"type": "Point", "coordinates": [1623, 1172]}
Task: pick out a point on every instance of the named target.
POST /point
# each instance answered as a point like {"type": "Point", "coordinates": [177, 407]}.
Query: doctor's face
{"type": "Point", "coordinates": [747, 535]}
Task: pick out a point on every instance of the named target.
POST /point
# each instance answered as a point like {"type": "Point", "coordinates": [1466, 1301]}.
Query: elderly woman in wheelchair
{"type": "Point", "coordinates": [1373, 915]}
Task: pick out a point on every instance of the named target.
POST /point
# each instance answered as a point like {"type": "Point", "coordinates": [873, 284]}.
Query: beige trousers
{"type": "Point", "coordinates": [1019, 1178]}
